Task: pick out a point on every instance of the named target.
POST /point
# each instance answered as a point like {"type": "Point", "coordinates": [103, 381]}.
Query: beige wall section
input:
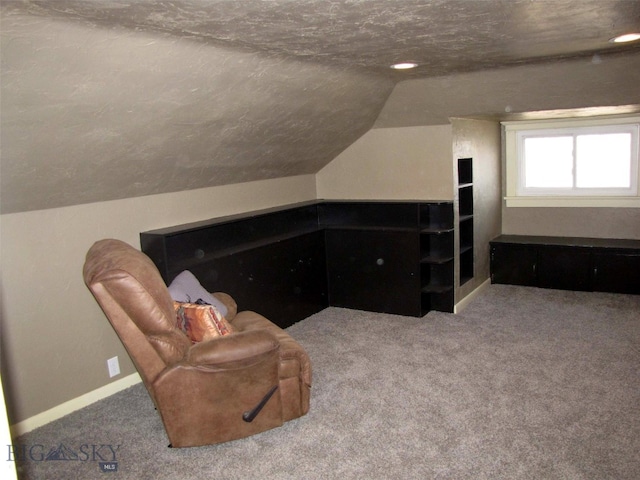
{"type": "Point", "coordinates": [572, 222]}
{"type": "Point", "coordinates": [55, 339]}
{"type": "Point", "coordinates": [392, 164]}
{"type": "Point", "coordinates": [493, 93]}
{"type": "Point", "coordinates": [479, 140]}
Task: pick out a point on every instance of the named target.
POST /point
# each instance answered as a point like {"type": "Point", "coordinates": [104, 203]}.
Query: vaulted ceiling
{"type": "Point", "coordinates": [106, 99]}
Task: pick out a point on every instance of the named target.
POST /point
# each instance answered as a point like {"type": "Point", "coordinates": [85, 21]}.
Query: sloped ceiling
{"type": "Point", "coordinates": [107, 99]}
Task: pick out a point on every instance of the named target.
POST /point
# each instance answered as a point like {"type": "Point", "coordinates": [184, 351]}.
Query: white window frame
{"type": "Point", "coordinates": [519, 196]}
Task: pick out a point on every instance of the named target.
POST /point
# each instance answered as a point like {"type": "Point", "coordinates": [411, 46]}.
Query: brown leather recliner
{"type": "Point", "coordinates": [210, 392]}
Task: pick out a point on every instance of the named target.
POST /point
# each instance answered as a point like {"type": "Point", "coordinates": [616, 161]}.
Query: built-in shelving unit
{"type": "Point", "coordinates": [271, 261]}
{"type": "Point", "coordinates": [292, 261]}
{"type": "Point", "coordinates": [465, 218]}
{"type": "Point", "coordinates": [436, 256]}
{"type": "Point", "coordinates": [567, 263]}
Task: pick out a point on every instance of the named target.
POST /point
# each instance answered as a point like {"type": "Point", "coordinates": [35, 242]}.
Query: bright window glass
{"type": "Point", "coordinates": [603, 161]}
{"type": "Point", "coordinates": [548, 162]}
{"type": "Point", "coordinates": [578, 161]}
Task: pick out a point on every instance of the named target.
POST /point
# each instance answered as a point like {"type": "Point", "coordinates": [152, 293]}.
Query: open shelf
{"type": "Point", "coordinates": [436, 259]}
{"type": "Point", "coordinates": [437, 256]}
{"type": "Point", "coordinates": [465, 171]}
{"type": "Point", "coordinates": [465, 219]}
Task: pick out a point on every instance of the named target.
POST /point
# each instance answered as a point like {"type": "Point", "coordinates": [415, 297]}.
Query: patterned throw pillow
{"type": "Point", "coordinates": [201, 322]}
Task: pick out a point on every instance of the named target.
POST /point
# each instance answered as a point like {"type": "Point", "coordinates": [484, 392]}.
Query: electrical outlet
{"type": "Point", "coordinates": [113, 366]}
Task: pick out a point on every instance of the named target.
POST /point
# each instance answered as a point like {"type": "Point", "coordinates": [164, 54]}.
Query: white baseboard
{"type": "Point", "coordinates": [77, 403]}
{"type": "Point", "coordinates": [462, 304]}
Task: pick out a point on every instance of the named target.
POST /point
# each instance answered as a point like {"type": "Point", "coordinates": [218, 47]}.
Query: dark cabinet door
{"type": "Point", "coordinates": [616, 272]}
{"type": "Point", "coordinates": [513, 264]}
{"type": "Point", "coordinates": [374, 270]}
{"type": "Point", "coordinates": [564, 268]}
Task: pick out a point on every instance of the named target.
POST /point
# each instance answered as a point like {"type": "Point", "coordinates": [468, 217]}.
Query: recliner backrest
{"type": "Point", "coordinates": [132, 294]}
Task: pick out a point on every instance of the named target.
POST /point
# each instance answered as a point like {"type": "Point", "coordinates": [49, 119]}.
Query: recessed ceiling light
{"type": "Point", "coordinates": [627, 37]}
{"type": "Point", "coordinates": [404, 66]}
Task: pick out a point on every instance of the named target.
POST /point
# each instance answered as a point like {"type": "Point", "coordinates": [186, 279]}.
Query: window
{"type": "Point", "coordinates": [572, 162]}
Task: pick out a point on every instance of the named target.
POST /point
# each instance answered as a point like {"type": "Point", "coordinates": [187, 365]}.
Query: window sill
{"type": "Point", "coordinates": [550, 202]}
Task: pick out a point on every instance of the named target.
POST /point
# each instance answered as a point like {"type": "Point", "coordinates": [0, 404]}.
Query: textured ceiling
{"type": "Point", "coordinates": [443, 36]}
{"type": "Point", "coordinates": [109, 99]}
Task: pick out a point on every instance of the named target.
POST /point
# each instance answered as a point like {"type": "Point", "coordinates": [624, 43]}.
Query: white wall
{"type": "Point", "coordinates": [412, 163]}
{"type": "Point", "coordinates": [55, 339]}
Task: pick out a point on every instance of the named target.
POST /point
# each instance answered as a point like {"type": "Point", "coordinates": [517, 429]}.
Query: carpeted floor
{"type": "Point", "coordinates": [524, 384]}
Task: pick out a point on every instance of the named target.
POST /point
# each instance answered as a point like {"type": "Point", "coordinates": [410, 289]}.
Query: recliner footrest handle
{"type": "Point", "coordinates": [250, 415]}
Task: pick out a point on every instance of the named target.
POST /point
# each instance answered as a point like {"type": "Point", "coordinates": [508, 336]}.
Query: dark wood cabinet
{"type": "Point", "coordinates": [514, 264]}
{"type": "Point", "coordinates": [271, 261]}
{"type": "Point", "coordinates": [567, 263]}
{"type": "Point", "coordinates": [373, 270]}
{"type": "Point", "coordinates": [284, 280]}
{"type": "Point", "coordinates": [290, 262]}
{"type": "Point", "coordinates": [616, 272]}
{"type": "Point", "coordinates": [183, 247]}
{"type": "Point", "coordinates": [564, 268]}
{"type": "Point", "coordinates": [394, 257]}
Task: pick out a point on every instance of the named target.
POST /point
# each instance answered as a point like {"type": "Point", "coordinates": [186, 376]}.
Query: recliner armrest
{"type": "Point", "coordinates": [229, 302]}
{"type": "Point", "coordinates": [237, 350]}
